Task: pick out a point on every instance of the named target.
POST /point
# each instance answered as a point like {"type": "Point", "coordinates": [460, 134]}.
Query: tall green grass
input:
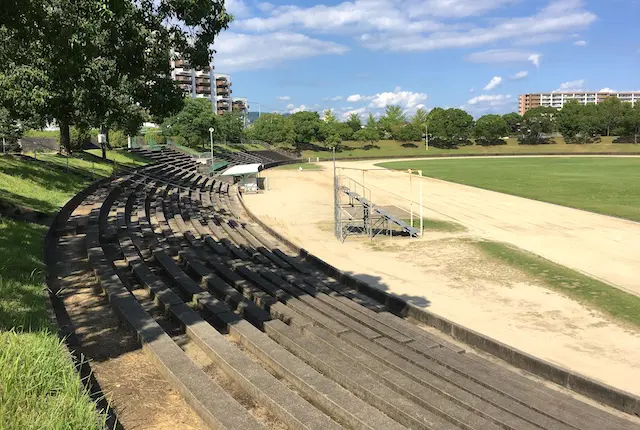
{"type": "Point", "coordinates": [39, 388]}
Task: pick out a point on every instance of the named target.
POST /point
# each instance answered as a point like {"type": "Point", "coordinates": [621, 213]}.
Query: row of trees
{"type": "Point", "coordinates": [92, 63]}
{"type": "Point", "coordinates": [447, 127]}
{"type": "Point", "coordinates": [454, 127]}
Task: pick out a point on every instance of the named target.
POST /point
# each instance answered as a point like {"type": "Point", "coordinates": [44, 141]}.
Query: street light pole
{"type": "Point", "coordinates": [211, 130]}
{"type": "Point", "coordinates": [426, 137]}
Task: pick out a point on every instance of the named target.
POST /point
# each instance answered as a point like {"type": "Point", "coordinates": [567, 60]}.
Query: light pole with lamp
{"type": "Point", "coordinates": [211, 130]}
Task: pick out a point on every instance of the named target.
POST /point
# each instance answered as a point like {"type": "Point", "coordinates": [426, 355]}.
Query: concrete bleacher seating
{"type": "Point", "coordinates": [316, 353]}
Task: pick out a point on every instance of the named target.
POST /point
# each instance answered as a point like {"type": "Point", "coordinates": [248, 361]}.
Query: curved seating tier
{"type": "Point", "coordinates": [315, 353]}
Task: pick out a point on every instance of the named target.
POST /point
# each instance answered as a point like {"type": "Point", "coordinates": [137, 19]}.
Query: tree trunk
{"type": "Point", "coordinates": [65, 136]}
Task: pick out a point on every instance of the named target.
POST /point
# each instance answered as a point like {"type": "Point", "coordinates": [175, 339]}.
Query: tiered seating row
{"type": "Point", "coordinates": [313, 352]}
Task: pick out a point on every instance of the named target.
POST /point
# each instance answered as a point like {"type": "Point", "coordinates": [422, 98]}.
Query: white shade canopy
{"type": "Point", "coordinates": [242, 169]}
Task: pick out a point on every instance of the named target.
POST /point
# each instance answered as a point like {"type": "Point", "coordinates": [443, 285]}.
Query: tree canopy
{"type": "Point", "coordinates": [450, 127]}
{"type": "Point", "coordinates": [490, 129]}
{"type": "Point", "coordinates": [90, 62]}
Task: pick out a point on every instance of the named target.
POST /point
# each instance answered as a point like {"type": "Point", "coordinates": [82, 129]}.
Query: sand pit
{"type": "Point", "coordinates": [454, 279]}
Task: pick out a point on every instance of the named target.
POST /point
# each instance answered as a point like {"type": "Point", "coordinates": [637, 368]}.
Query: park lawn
{"type": "Point", "coordinates": [122, 157]}
{"type": "Point", "coordinates": [79, 162]}
{"type": "Point", "coordinates": [37, 186]}
{"type": "Point", "coordinates": [609, 186]}
{"type": "Point", "coordinates": [392, 148]}
{"type": "Point", "coordinates": [621, 306]}
{"type": "Point", "coordinates": [39, 387]}
{"type": "Point", "coordinates": [298, 166]}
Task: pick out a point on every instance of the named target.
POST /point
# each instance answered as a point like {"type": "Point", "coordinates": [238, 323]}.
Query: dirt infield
{"type": "Point", "coordinates": [455, 280]}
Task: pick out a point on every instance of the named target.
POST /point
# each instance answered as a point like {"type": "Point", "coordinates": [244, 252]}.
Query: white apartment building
{"type": "Point", "coordinates": [558, 99]}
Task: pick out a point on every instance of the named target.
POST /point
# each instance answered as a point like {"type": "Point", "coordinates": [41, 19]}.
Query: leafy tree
{"type": "Point", "coordinates": [536, 123]}
{"type": "Point", "coordinates": [354, 122]}
{"type": "Point", "coordinates": [420, 118]}
{"type": "Point", "coordinates": [306, 126]}
{"type": "Point", "coordinates": [392, 120]}
{"type": "Point", "coordinates": [10, 129]}
{"type": "Point", "coordinates": [329, 117]}
{"type": "Point", "coordinates": [450, 127]}
{"type": "Point", "coordinates": [230, 127]}
{"type": "Point", "coordinates": [631, 120]}
{"type": "Point", "coordinates": [367, 134]}
{"type": "Point", "coordinates": [332, 141]}
{"type": "Point", "coordinates": [409, 133]}
{"type": "Point", "coordinates": [272, 128]}
{"type": "Point", "coordinates": [343, 130]}
{"type": "Point", "coordinates": [89, 61]}
{"type": "Point", "coordinates": [610, 114]}
{"type": "Point", "coordinates": [490, 129]}
{"type": "Point", "coordinates": [514, 120]}
{"type": "Point", "coordinates": [191, 125]}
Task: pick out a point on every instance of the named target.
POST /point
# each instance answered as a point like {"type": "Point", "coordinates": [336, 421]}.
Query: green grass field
{"type": "Point", "coordinates": [392, 148]}
{"type": "Point", "coordinates": [39, 388]}
{"type": "Point", "coordinates": [622, 306]}
{"type": "Point", "coordinates": [297, 166]}
{"type": "Point", "coordinates": [609, 186]}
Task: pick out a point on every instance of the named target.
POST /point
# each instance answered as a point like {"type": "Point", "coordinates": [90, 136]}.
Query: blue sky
{"type": "Point", "coordinates": [359, 55]}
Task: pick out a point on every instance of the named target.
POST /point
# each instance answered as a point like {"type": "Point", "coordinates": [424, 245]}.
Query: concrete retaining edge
{"type": "Point", "coordinates": [598, 391]}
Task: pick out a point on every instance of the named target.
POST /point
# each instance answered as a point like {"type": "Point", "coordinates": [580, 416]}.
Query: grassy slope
{"type": "Point", "coordinates": [609, 186]}
{"type": "Point", "coordinates": [37, 186]}
{"type": "Point", "coordinates": [621, 306]}
{"type": "Point", "coordinates": [391, 148]}
{"type": "Point", "coordinates": [39, 387]}
{"type": "Point", "coordinates": [121, 157]}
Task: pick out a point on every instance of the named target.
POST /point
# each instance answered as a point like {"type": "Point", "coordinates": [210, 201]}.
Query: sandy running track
{"type": "Point", "coordinates": [604, 247]}
{"type": "Point", "coordinates": [457, 281]}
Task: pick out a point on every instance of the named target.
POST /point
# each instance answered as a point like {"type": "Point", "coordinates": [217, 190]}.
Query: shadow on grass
{"type": "Point", "coordinates": [50, 177]}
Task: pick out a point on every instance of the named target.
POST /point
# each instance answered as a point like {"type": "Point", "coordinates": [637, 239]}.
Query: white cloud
{"type": "Point", "coordinates": [406, 99]}
{"type": "Point", "coordinates": [580, 43]}
{"type": "Point", "coordinates": [290, 106]}
{"type": "Point", "coordinates": [333, 99]}
{"type": "Point", "coordinates": [576, 85]}
{"type": "Point", "coordinates": [491, 99]}
{"type": "Point", "coordinates": [520, 75]}
{"type": "Point", "coordinates": [607, 90]}
{"type": "Point", "coordinates": [358, 111]}
{"type": "Point", "coordinates": [266, 6]}
{"type": "Point", "coordinates": [294, 109]}
{"type": "Point", "coordinates": [505, 56]}
{"type": "Point", "coordinates": [283, 98]}
{"type": "Point", "coordinates": [490, 103]}
{"type": "Point", "coordinates": [493, 83]}
{"type": "Point", "coordinates": [237, 8]}
{"type": "Point", "coordinates": [356, 98]}
{"type": "Point", "coordinates": [237, 51]}
{"type": "Point", "coordinates": [415, 25]}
